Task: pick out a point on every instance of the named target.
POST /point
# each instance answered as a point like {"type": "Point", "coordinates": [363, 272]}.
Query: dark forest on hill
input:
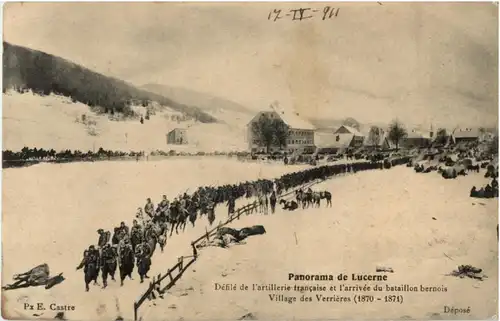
{"type": "Point", "coordinates": [25, 69]}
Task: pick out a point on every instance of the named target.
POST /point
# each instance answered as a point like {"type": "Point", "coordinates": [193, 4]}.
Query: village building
{"type": "Point", "coordinates": [334, 141]}
{"type": "Point", "coordinates": [382, 143]}
{"type": "Point", "coordinates": [357, 137]}
{"type": "Point", "coordinates": [417, 139]}
{"type": "Point", "coordinates": [465, 135]}
{"type": "Point", "coordinates": [300, 134]}
{"type": "Point", "coordinates": [177, 136]}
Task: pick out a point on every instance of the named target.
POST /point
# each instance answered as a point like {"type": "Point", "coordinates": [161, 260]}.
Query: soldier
{"type": "Point", "coordinates": [103, 238]}
{"type": "Point", "coordinates": [84, 261]}
{"type": "Point", "coordinates": [91, 256]}
{"type": "Point", "coordinates": [108, 264]}
{"type": "Point", "coordinates": [231, 204]}
{"type": "Point", "coordinates": [126, 256]}
{"type": "Point", "coordinates": [266, 204]}
{"type": "Point", "coordinates": [149, 208]}
{"type": "Point", "coordinates": [143, 256]}
{"type": "Point", "coordinates": [136, 234]}
{"type": "Point", "coordinates": [163, 206]}
{"type": "Point", "coordinates": [124, 229]}
{"type": "Point", "coordinates": [273, 202]}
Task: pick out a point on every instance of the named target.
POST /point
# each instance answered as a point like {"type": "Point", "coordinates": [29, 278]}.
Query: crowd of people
{"type": "Point", "coordinates": [128, 248]}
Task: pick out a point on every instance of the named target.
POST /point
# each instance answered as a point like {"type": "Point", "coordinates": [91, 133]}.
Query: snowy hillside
{"type": "Point", "coordinates": [57, 122]}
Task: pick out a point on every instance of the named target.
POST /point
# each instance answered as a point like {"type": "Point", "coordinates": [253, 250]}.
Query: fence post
{"type": "Point", "coordinates": [135, 311]}
{"type": "Point", "coordinates": [181, 261]}
{"type": "Point", "coordinates": [195, 252]}
{"type": "Point", "coordinates": [208, 239]}
{"type": "Point", "coordinates": [170, 275]}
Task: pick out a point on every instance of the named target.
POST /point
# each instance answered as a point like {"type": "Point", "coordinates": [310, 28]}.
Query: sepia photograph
{"type": "Point", "coordinates": [250, 161]}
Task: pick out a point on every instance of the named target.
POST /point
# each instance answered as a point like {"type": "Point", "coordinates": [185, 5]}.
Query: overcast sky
{"type": "Point", "coordinates": [421, 63]}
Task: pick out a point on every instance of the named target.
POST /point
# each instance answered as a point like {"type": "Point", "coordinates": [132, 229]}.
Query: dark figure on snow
{"type": "Point", "coordinates": [290, 206]}
{"type": "Point", "coordinates": [90, 263]}
{"type": "Point", "coordinates": [37, 276]}
{"type": "Point", "coordinates": [272, 200]}
{"type": "Point", "coordinates": [108, 264]}
{"type": "Point", "coordinates": [136, 235]}
{"type": "Point", "coordinates": [211, 212]}
{"type": "Point", "coordinates": [124, 229]}
{"type": "Point", "coordinates": [104, 238]}
{"type": "Point", "coordinates": [328, 196]}
{"type": "Point", "coordinates": [164, 204]}
{"type": "Point", "coordinates": [149, 208]}
{"type": "Point", "coordinates": [143, 256]}
{"type": "Point", "coordinates": [231, 204]}
{"type": "Point", "coordinates": [126, 256]}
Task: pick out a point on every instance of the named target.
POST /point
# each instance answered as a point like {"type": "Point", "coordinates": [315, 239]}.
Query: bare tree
{"type": "Point", "coordinates": [397, 132]}
{"type": "Point", "coordinates": [263, 131]}
{"type": "Point", "coordinates": [351, 122]}
{"type": "Point", "coordinates": [270, 131]}
{"type": "Point", "coordinates": [441, 136]}
{"type": "Point", "coordinates": [280, 132]}
{"type": "Point", "coordinates": [374, 136]}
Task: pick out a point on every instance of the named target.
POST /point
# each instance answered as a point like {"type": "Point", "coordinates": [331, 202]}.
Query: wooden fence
{"type": "Point", "coordinates": [178, 269]}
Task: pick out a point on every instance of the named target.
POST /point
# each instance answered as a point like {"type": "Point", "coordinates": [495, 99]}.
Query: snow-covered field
{"type": "Point", "coordinates": [381, 217]}
{"type": "Point", "coordinates": [51, 214]}
{"type": "Point", "coordinates": [55, 122]}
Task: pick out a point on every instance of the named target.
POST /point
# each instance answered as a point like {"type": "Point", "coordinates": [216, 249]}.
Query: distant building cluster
{"type": "Point", "coordinates": [304, 138]}
{"type": "Point", "coordinates": [177, 136]}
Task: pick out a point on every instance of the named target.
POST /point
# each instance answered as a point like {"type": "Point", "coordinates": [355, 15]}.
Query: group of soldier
{"type": "Point", "coordinates": [122, 250]}
{"type": "Point", "coordinates": [151, 224]}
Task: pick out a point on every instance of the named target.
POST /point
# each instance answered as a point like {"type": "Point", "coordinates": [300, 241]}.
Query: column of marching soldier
{"type": "Point", "coordinates": [129, 248]}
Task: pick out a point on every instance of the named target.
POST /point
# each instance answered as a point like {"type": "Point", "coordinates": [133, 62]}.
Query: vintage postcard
{"type": "Point", "coordinates": [250, 161]}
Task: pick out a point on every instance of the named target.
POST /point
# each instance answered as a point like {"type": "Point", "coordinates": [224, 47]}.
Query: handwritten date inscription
{"type": "Point", "coordinates": [303, 14]}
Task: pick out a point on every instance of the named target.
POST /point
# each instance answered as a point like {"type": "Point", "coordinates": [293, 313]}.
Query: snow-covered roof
{"type": "Point", "coordinates": [295, 121]}
{"type": "Point", "coordinates": [351, 130]}
{"type": "Point", "coordinates": [292, 120]}
{"type": "Point", "coordinates": [324, 140]}
{"type": "Point", "coordinates": [466, 133]}
{"type": "Point", "coordinates": [368, 142]}
{"type": "Point", "coordinates": [415, 134]}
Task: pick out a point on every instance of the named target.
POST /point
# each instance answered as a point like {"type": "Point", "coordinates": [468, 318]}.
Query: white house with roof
{"type": "Point", "coordinates": [383, 142]}
{"type": "Point", "coordinates": [417, 139]}
{"type": "Point", "coordinates": [357, 138]}
{"type": "Point", "coordinates": [300, 133]}
{"type": "Point", "coordinates": [465, 135]}
{"type": "Point", "coordinates": [332, 141]}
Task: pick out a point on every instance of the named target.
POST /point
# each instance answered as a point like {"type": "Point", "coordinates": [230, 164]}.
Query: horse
{"type": "Point", "coordinates": [193, 213]}
{"type": "Point", "coordinates": [303, 198]}
{"type": "Point", "coordinates": [173, 218]}
{"type": "Point", "coordinates": [448, 173]}
{"type": "Point", "coordinates": [473, 168]}
{"type": "Point", "coordinates": [315, 199]}
{"type": "Point", "coordinates": [291, 206]}
{"type": "Point", "coordinates": [181, 220]}
{"type": "Point", "coordinates": [91, 274]}
{"type": "Point", "coordinates": [328, 196]}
